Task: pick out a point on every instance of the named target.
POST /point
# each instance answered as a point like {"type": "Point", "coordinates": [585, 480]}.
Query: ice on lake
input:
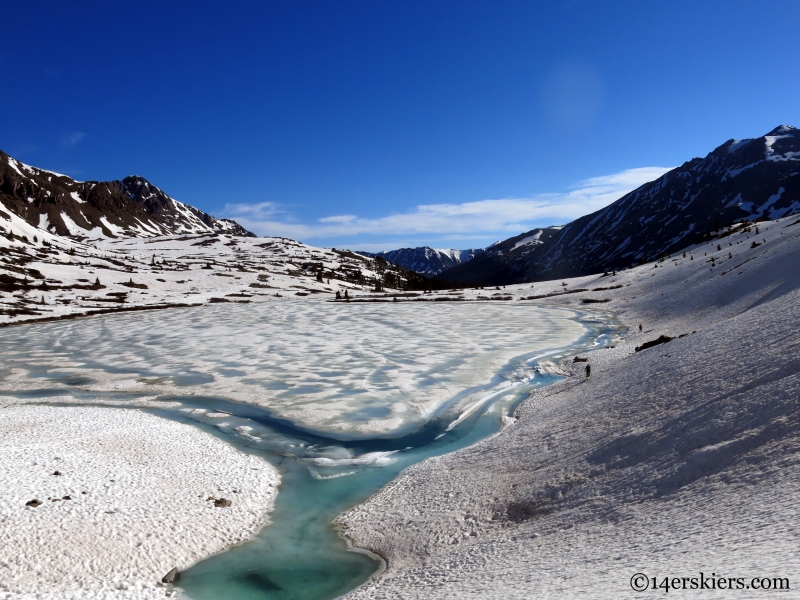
{"type": "Point", "coordinates": [346, 370]}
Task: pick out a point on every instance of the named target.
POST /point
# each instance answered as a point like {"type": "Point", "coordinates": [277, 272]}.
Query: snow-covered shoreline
{"type": "Point", "coordinates": [133, 498]}
{"type": "Point", "coordinates": [674, 460]}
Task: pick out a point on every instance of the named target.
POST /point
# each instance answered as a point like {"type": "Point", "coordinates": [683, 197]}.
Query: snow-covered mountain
{"type": "Point", "coordinates": [132, 207]}
{"type": "Point", "coordinates": [751, 179]}
{"type": "Point", "coordinates": [71, 248]}
{"type": "Point", "coordinates": [426, 260]}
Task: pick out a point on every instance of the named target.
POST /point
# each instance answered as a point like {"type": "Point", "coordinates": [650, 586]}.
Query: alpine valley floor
{"type": "Point", "coordinates": [677, 459]}
{"type": "Point", "coordinates": [681, 458]}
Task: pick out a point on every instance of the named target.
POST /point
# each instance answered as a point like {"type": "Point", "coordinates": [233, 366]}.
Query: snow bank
{"type": "Point", "coordinates": [129, 504]}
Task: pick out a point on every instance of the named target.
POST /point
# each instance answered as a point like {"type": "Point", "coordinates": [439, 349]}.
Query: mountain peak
{"type": "Point", "coordinates": [753, 179]}
{"type": "Point", "coordinates": [426, 260]}
{"type": "Point", "coordinates": [138, 188]}
{"type": "Point", "coordinates": [133, 207]}
{"type": "Point", "coordinates": [783, 130]}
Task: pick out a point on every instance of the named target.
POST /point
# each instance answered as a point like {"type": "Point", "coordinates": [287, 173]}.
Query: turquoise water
{"type": "Point", "coordinates": [327, 464]}
{"type": "Point", "coordinates": [300, 555]}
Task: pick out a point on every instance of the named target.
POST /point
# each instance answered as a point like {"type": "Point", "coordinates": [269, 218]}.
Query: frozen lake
{"type": "Point", "coordinates": [346, 370]}
{"type": "Point", "coordinates": [341, 397]}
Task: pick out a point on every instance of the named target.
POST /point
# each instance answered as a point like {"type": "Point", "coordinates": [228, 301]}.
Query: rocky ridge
{"type": "Point", "coordinates": [750, 179]}
{"type": "Point", "coordinates": [132, 207]}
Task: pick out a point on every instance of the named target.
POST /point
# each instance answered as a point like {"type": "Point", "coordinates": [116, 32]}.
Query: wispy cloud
{"type": "Point", "coordinates": [71, 140]}
{"type": "Point", "coordinates": [469, 220]}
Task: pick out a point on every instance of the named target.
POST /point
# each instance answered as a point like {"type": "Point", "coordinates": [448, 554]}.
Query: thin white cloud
{"type": "Point", "coordinates": [506, 216]}
{"type": "Point", "coordinates": [260, 211]}
{"type": "Point", "coordinates": [72, 139]}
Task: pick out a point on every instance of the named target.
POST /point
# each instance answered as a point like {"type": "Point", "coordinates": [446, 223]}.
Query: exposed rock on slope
{"type": "Point", "coordinates": [132, 207]}
{"type": "Point", "coordinates": [46, 276]}
{"type": "Point", "coordinates": [742, 179]}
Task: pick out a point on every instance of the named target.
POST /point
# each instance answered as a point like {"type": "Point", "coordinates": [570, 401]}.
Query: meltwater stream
{"type": "Point", "coordinates": [339, 399]}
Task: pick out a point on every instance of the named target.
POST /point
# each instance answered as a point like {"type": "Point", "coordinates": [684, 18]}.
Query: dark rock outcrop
{"type": "Point", "coordinates": [132, 207]}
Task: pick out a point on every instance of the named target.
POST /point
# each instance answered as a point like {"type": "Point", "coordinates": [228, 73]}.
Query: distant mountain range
{"type": "Point", "coordinates": [426, 260]}
{"type": "Point", "coordinates": [757, 178]}
{"type": "Point", "coordinates": [132, 207]}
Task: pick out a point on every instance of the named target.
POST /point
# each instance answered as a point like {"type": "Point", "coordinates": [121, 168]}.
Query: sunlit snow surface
{"type": "Point", "coordinates": [356, 368]}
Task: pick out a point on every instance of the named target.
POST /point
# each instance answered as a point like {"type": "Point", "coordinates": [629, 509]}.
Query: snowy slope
{"type": "Point", "coordinates": [672, 460]}
{"type": "Point", "coordinates": [130, 503]}
{"type": "Point", "coordinates": [132, 207]}
{"type": "Point", "coordinates": [742, 179]}
{"type": "Point", "coordinates": [45, 276]}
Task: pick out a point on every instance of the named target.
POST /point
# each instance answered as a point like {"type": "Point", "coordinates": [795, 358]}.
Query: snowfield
{"type": "Point", "coordinates": [678, 459]}
{"type": "Point", "coordinates": [131, 501]}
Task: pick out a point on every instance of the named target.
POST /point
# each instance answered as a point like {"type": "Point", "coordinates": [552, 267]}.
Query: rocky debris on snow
{"type": "Point", "coordinates": [662, 339]}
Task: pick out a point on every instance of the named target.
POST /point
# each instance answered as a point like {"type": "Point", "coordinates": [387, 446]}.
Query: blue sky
{"type": "Point", "coordinates": [380, 124]}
